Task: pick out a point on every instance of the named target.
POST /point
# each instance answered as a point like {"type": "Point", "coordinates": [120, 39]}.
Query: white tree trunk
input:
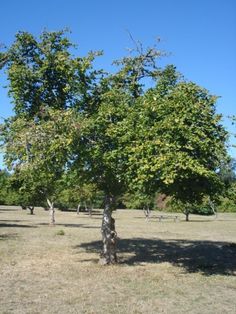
{"type": "Point", "coordinates": [146, 212]}
{"type": "Point", "coordinates": [51, 212]}
{"type": "Point", "coordinates": [212, 205]}
{"type": "Point", "coordinates": [78, 209]}
{"type": "Point", "coordinates": [109, 236]}
{"type": "Point", "coordinates": [90, 210]}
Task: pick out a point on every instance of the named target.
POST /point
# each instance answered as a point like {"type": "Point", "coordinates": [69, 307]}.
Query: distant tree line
{"type": "Point", "coordinates": [77, 198]}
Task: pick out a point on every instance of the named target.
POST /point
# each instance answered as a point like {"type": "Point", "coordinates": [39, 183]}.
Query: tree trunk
{"type": "Point", "coordinates": [146, 211]}
{"type": "Point", "coordinates": [90, 210]}
{"type": "Point", "coordinates": [78, 209]}
{"type": "Point", "coordinates": [109, 236]}
{"type": "Point", "coordinates": [52, 212]}
{"type": "Point", "coordinates": [186, 216]}
{"type": "Point", "coordinates": [212, 205]}
{"type": "Point", "coordinates": [31, 208]}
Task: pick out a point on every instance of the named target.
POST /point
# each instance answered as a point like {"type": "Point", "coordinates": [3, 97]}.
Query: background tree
{"type": "Point", "coordinates": [43, 74]}
{"type": "Point", "coordinates": [38, 151]}
{"type": "Point", "coordinates": [227, 171]}
{"type": "Point", "coordinates": [138, 201]}
{"type": "Point", "coordinates": [27, 194]}
{"type": "Point", "coordinates": [4, 178]}
{"type": "Point", "coordinates": [178, 143]}
{"type": "Point", "coordinates": [76, 193]}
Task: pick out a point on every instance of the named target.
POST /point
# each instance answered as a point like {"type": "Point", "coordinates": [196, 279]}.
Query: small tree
{"type": "Point", "coordinates": [178, 143]}
{"type": "Point", "coordinates": [38, 151]}
{"type": "Point", "coordinates": [43, 74]}
{"type": "Point", "coordinates": [27, 195]}
{"type": "Point", "coordinates": [76, 193]}
{"type": "Point", "coordinates": [205, 207]}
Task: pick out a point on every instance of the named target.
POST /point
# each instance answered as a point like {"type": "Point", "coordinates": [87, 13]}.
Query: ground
{"type": "Point", "coordinates": [164, 267]}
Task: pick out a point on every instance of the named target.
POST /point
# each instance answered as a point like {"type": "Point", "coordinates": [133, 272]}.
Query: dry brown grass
{"type": "Point", "coordinates": [165, 267]}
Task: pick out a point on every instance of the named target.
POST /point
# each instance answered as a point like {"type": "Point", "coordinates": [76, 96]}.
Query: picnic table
{"type": "Point", "coordinates": [161, 217]}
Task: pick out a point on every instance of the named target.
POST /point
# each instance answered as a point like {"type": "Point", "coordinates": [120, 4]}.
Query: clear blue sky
{"type": "Point", "coordinates": [200, 34]}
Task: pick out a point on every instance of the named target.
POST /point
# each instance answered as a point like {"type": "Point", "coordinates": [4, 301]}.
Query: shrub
{"type": "Point", "coordinates": [60, 232]}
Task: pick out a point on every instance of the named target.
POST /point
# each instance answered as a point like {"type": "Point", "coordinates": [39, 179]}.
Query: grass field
{"type": "Point", "coordinates": [165, 267]}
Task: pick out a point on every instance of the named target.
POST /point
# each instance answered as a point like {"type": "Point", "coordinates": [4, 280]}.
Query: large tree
{"type": "Point", "coordinates": [108, 132]}
{"type": "Point", "coordinates": [167, 137]}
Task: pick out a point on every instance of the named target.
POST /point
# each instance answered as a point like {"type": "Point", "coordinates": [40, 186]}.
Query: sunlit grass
{"type": "Point", "coordinates": [165, 267]}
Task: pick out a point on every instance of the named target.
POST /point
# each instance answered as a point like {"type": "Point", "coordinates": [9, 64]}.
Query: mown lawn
{"type": "Point", "coordinates": [165, 267]}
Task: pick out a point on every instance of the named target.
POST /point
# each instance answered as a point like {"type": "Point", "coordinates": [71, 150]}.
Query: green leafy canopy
{"type": "Point", "coordinates": [114, 131]}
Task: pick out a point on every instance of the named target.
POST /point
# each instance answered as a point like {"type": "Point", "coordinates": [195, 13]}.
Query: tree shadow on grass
{"type": "Point", "coordinates": [98, 217]}
{"type": "Point", "coordinates": [59, 224]}
{"type": "Point", "coordinates": [78, 226]}
{"type": "Point", "coordinates": [8, 236]}
{"type": "Point", "coordinates": [12, 220]}
{"type": "Point", "coordinates": [70, 225]}
{"type": "Point", "coordinates": [207, 257]}
{"type": "Point", "coordinates": [9, 225]}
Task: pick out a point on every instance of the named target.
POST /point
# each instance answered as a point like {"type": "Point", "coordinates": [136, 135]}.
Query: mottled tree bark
{"type": "Point", "coordinates": [109, 236]}
{"type": "Point", "coordinates": [52, 212]}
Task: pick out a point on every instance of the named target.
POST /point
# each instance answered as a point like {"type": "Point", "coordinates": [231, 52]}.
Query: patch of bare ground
{"type": "Point", "coordinates": [164, 267]}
